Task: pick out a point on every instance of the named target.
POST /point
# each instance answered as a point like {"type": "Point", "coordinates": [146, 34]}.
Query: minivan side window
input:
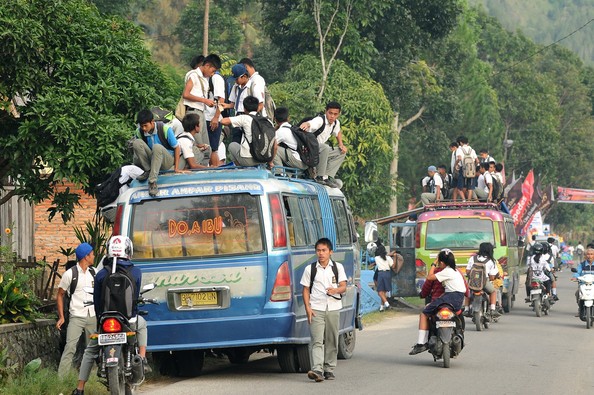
{"type": "Point", "coordinates": [303, 219]}
{"type": "Point", "coordinates": [341, 219]}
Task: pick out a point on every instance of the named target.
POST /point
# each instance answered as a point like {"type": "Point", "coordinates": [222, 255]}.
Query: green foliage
{"type": "Point", "coordinates": [96, 234]}
{"type": "Point", "coordinates": [17, 300]}
{"type": "Point", "coordinates": [45, 381]}
{"type": "Point", "coordinates": [84, 76]}
{"type": "Point", "coordinates": [6, 370]}
{"type": "Point", "coordinates": [365, 123]}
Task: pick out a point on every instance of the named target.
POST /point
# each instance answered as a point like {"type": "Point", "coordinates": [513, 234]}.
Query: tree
{"type": "Point", "coordinates": [365, 124]}
{"type": "Point", "coordinates": [76, 79]}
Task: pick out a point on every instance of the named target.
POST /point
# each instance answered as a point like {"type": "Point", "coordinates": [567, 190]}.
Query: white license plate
{"type": "Point", "coordinates": [535, 291]}
{"type": "Point", "coordinates": [112, 338]}
{"type": "Point", "coordinates": [445, 324]}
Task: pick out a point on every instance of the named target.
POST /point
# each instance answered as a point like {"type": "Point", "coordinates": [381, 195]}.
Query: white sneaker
{"type": "Point", "coordinates": [382, 308]}
{"type": "Point", "coordinates": [387, 305]}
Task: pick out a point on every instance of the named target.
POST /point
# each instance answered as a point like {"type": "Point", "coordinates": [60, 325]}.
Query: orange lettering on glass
{"type": "Point", "coordinates": [182, 228]}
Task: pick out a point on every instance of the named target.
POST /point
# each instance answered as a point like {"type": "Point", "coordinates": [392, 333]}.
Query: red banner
{"type": "Point", "coordinates": [519, 209]}
{"type": "Point", "coordinates": [572, 195]}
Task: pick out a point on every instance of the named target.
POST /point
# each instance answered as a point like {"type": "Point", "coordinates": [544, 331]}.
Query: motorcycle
{"type": "Point", "coordinates": [586, 298]}
{"type": "Point", "coordinates": [479, 302]}
{"type": "Point", "coordinates": [539, 297]}
{"type": "Point", "coordinates": [119, 362]}
{"type": "Point", "coordinates": [446, 334]}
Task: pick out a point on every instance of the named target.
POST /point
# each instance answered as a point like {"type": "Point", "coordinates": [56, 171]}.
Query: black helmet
{"type": "Point", "coordinates": [546, 248]}
{"type": "Point", "coordinates": [537, 248]}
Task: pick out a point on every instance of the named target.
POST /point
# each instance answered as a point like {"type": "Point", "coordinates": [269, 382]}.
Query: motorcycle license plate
{"type": "Point", "coordinates": [535, 291]}
{"type": "Point", "coordinates": [445, 324]}
{"type": "Point", "coordinates": [112, 338]}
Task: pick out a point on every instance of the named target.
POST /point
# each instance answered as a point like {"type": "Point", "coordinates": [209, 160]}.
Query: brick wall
{"type": "Point", "coordinates": [50, 236]}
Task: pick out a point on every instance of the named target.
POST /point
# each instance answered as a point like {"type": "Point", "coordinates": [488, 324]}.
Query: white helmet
{"type": "Point", "coordinates": [119, 247]}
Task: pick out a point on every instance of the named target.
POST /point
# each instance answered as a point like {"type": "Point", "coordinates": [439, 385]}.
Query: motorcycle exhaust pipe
{"type": "Point", "coordinates": [137, 370]}
{"type": "Point", "coordinates": [457, 343]}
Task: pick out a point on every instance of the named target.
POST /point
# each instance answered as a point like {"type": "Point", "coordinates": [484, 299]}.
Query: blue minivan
{"type": "Point", "coordinates": [226, 249]}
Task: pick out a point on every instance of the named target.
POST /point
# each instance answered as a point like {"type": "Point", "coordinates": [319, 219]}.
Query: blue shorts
{"type": "Point", "coordinates": [384, 280]}
{"type": "Point", "coordinates": [214, 136]}
{"type": "Point", "coordinates": [463, 182]}
{"type": "Point", "coordinates": [454, 298]}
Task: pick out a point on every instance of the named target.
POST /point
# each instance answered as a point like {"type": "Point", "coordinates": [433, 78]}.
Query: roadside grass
{"type": "Point", "coordinates": [46, 382]}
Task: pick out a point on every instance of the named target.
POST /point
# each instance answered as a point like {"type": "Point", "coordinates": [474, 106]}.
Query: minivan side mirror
{"type": "Point", "coordinates": [370, 232]}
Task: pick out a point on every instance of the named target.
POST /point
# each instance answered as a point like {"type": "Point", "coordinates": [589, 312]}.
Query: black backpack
{"type": "Point", "coordinates": [262, 144]}
{"type": "Point", "coordinates": [119, 290]}
{"type": "Point", "coordinates": [321, 128]}
{"type": "Point", "coordinates": [67, 298]}
{"type": "Point", "coordinates": [109, 190]}
{"type": "Point", "coordinates": [307, 146]}
{"type": "Point", "coordinates": [497, 193]}
{"type": "Point", "coordinates": [314, 271]}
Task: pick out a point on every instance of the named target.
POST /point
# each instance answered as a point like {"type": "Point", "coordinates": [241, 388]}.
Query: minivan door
{"type": "Point", "coordinates": [402, 240]}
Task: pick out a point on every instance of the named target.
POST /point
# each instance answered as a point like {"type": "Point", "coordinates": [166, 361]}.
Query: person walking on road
{"type": "Point", "coordinates": [323, 282]}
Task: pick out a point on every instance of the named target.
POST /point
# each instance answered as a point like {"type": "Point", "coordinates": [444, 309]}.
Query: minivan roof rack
{"type": "Point", "coordinates": [460, 206]}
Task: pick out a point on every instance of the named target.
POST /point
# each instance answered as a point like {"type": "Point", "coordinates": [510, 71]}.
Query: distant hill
{"type": "Point", "coordinates": [546, 21]}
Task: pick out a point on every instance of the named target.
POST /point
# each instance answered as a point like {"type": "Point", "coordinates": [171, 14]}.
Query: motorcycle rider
{"type": "Point", "coordinates": [485, 256]}
{"type": "Point", "coordinates": [548, 255]}
{"type": "Point", "coordinates": [538, 268]}
{"type": "Point", "coordinates": [455, 288]}
{"type": "Point", "coordinates": [585, 267]}
{"type": "Point", "coordinates": [120, 248]}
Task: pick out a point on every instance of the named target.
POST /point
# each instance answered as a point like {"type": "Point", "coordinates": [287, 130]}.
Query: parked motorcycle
{"type": "Point", "coordinates": [586, 298]}
{"type": "Point", "coordinates": [539, 297]}
{"type": "Point", "coordinates": [479, 302]}
{"type": "Point", "coordinates": [119, 362]}
{"type": "Point", "coordinates": [446, 334]}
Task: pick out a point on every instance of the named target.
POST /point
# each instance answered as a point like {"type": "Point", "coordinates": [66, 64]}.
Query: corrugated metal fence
{"type": "Point", "coordinates": [17, 215]}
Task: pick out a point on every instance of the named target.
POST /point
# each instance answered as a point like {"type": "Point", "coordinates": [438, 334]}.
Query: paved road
{"type": "Point", "coordinates": [522, 354]}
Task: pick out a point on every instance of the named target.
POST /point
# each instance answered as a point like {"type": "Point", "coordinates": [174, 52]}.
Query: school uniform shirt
{"type": "Point", "coordinates": [244, 121]}
{"type": "Point", "coordinates": [238, 94]}
{"type": "Point", "coordinates": [186, 144]}
{"type": "Point", "coordinates": [383, 264]}
{"type": "Point", "coordinates": [483, 181]}
{"type": "Point", "coordinates": [285, 135]}
{"type": "Point", "coordinates": [79, 297]}
{"type": "Point", "coordinates": [257, 85]}
{"type": "Point", "coordinates": [329, 129]}
{"type": "Point", "coordinates": [437, 181]}
{"type": "Point", "coordinates": [128, 172]}
{"type": "Point", "coordinates": [490, 267]}
{"type": "Point", "coordinates": [318, 299]}
{"type": "Point", "coordinates": [451, 280]}
{"type": "Point", "coordinates": [199, 88]}
{"type": "Point", "coordinates": [453, 161]}
{"type": "Point", "coordinates": [218, 86]}
{"type": "Point", "coordinates": [152, 138]}
{"type": "Point", "coordinates": [460, 153]}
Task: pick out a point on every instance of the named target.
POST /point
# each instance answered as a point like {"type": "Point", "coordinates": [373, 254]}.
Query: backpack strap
{"type": "Point", "coordinates": [314, 271]}
{"type": "Point", "coordinates": [74, 280]}
{"type": "Point", "coordinates": [163, 136]}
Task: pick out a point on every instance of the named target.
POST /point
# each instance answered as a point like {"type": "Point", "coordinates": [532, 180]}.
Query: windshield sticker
{"type": "Point", "coordinates": [195, 190]}
{"type": "Point", "coordinates": [207, 226]}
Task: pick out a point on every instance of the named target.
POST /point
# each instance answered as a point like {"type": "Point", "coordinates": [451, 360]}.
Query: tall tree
{"type": "Point", "coordinates": [76, 79]}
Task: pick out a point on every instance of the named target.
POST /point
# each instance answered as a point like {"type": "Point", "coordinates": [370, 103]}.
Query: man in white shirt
{"type": "Point", "coordinates": [322, 294]}
{"type": "Point", "coordinates": [484, 188]}
{"type": "Point", "coordinates": [433, 183]}
{"type": "Point", "coordinates": [330, 157]}
{"type": "Point", "coordinates": [240, 153]}
{"type": "Point", "coordinates": [465, 185]}
{"type": "Point", "coordinates": [257, 86]}
{"type": "Point", "coordinates": [82, 315]}
{"type": "Point", "coordinates": [216, 92]}
{"type": "Point", "coordinates": [192, 154]}
{"type": "Point", "coordinates": [195, 92]}
{"type": "Point", "coordinates": [286, 153]}
{"type": "Point", "coordinates": [238, 93]}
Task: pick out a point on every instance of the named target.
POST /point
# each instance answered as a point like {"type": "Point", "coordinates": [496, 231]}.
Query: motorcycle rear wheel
{"type": "Point", "coordinates": [478, 321]}
{"type": "Point", "coordinates": [537, 309]}
{"type": "Point", "coordinates": [588, 317]}
{"type": "Point", "coordinates": [116, 380]}
{"type": "Point", "coordinates": [445, 354]}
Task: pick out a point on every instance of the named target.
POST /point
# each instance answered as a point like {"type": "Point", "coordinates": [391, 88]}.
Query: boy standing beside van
{"type": "Point", "coordinates": [322, 294]}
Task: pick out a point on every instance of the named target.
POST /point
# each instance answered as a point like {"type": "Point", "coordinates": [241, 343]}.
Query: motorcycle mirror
{"type": "Point", "coordinates": [149, 287]}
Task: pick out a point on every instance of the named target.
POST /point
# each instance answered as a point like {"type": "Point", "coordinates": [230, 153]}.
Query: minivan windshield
{"type": "Point", "coordinates": [197, 226]}
{"type": "Point", "coordinates": [458, 233]}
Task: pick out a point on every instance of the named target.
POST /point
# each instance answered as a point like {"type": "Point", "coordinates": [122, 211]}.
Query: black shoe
{"type": "Point", "coordinates": [495, 314]}
{"type": "Point", "coordinates": [153, 189]}
{"type": "Point", "coordinates": [333, 182]}
{"type": "Point", "coordinates": [321, 181]}
{"type": "Point", "coordinates": [78, 392]}
{"type": "Point", "coordinates": [555, 298]}
{"type": "Point", "coordinates": [143, 176]}
{"type": "Point", "coordinates": [329, 376]}
{"type": "Point", "coordinates": [418, 348]}
{"type": "Point", "coordinates": [467, 313]}
{"type": "Point", "coordinates": [317, 376]}
{"type": "Point", "coordinates": [146, 366]}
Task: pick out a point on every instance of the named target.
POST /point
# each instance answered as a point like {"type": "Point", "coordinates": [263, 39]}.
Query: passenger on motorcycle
{"type": "Point", "coordinates": [548, 255]}
{"type": "Point", "coordinates": [119, 247]}
{"type": "Point", "coordinates": [455, 288]}
{"type": "Point", "coordinates": [585, 267]}
{"type": "Point", "coordinates": [485, 256]}
{"type": "Point", "coordinates": [538, 268]}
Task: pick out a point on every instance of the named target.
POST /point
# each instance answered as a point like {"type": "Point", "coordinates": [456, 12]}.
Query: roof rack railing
{"type": "Point", "coordinates": [460, 205]}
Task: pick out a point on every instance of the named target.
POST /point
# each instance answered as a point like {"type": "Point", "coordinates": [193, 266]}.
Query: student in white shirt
{"type": "Point", "coordinates": [286, 153]}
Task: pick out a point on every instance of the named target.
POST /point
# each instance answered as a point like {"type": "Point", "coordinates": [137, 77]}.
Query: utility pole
{"type": "Point", "coordinates": [205, 35]}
